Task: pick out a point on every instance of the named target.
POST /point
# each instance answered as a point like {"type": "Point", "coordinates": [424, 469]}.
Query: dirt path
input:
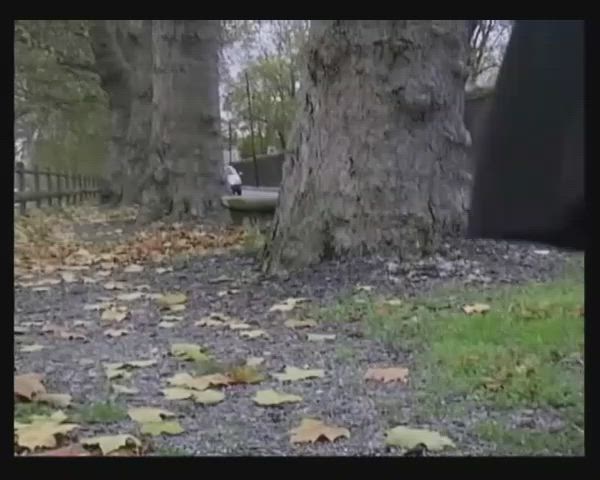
{"type": "Point", "coordinates": [231, 284]}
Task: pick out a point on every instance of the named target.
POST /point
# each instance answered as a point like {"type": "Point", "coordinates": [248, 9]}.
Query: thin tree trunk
{"type": "Point", "coordinates": [380, 144]}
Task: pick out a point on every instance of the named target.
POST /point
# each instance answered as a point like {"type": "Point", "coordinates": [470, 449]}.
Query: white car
{"type": "Point", "coordinates": [234, 180]}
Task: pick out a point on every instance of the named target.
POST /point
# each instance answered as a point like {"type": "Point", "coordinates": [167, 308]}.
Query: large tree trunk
{"type": "Point", "coordinates": [380, 143]}
{"type": "Point", "coordinates": [136, 42]}
{"type": "Point", "coordinates": [184, 175]}
{"type": "Point", "coordinates": [115, 76]}
{"type": "Point", "coordinates": [123, 51]}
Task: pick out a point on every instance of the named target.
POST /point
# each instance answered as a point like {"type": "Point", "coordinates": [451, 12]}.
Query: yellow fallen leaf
{"type": "Point", "coordinates": [115, 286]}
{"type": "Point", "coordinates": [97, 306]}
{"type": "Point", "coordinates": [238, 326]}
{"type": "Point", "coordinates": [141, 363]}
{"type": "Point", "coordinates": [292, 374]}
{"type": "Point", "coordinates": [161, 270]}
{"type": "Point", "coordinates": [208, 397]}
{"type": "Point", "coordinates": [287, 305]}
{"type": "Point", "coordinates": [82, 323]}
{"type": "Point", "coordinates": [129, 297]}
{"type": "Point", "coordinates": [41, 289]}
{"type": "Point", "coordinates": [271, 397]}
{"type": "Point", "coordinates": [31, 348]}
{"type": "Point", "coordinates": [254, 361]}
{"type": "Point", "coordinates": [320, 337]}
{"type": "Point", "coordinates": [394, 302]}
{"type": "Point", "coordinates": [55, 399]}
{"type": "Point", "coordinates": [68, 277]}
{"type": "Point", "coordinates": [71, 335]}
{"type": "Point", "coordinates": [311, 430]}
{"type": "Point", "coordinates": [133, 269]}
{"type": "Point", "coordinates": [115, 332]}
{"type": "Point", "coordinates": [28, 385]}
{"type": "Point", "coordinates": [188, 351]}
{"type": "Point", "coordinates": [41, 435]}
{"type": "Point", "coordinates": [475, 308]}
{"type": "Point", "coordinates": [177, 308]}
{"type": "Point", "coordinates": [300, 323]}
{"type": "Point", "coordinates": [148, 414]}
{"type": "Point", "coordinates": [171, 427]}
{"type": "Point", "coordinates": [167, 324]}
{"type": "Point", "coordinates": [112, 443]}
{"type": "Point", "coordinates": [177, 393]}
{"type": "Point", "coordinates": [167, 300]}
{"type": "Point", "coordinates": [245, 374]}
{"type": "Point", "coordinates": [254, 333]}
{"type": "Point", "coordinates": [199, 383]}
{"type": "Point", "coordinates": [209, 322]}
{"type": "Point", "coordinates": [411, 437]}
{"type": "Point", "coordinates": [113, 315]}
{"type": "Point", "coordinates": [387, 374]}
{"type": "Point", "coordinates": [363, 288]}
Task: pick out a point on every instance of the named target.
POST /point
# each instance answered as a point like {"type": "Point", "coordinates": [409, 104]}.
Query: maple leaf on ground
{"type": "Point", "coordinates": [387, 374]}
{"type": "Point", "coordinates": [28, 385]}
{"type": "Point", "coordinates": [273, 398]}
{"type": "Point", "coordinates": [320, 337]}
{"type": "Point", "coordinates": [311, 430]}
{"type": "Point", "coordinates": [208, 397]}
{"type": "Point", "coordinates": [475, 308]}
{"type": "Point", "coordinates": [291, 374]}
{"type": "Point", "coordinates": [188, 351]}
{"type": "Point", "coordinates": [170, 427]}
{"type": "Point", "coordinates": [148, 414]}
{"type": "Point", "coordinates": [254, 361]}
{"type": "Point", "coordinates": [287, 305]}
{"type": "Point", "coordinates": [31, 348]}
{"type": "Point", "coordinates": [168, 300]}
{"type": "Point", "coordinates": [199, 383]}
{"type": "Point", "coordinates": [300, 323]}
{"type": "Point", "coordinates": [411, 437]}
{"type": "Point", "coordinates": [253, 333]}
{"type": "Point", "coordinates": [41, 432]}
{"type": "Point", "coordinates": [112, 443]}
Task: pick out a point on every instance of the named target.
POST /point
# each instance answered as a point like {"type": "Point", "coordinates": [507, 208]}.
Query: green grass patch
{"type": "Point", "coordinates": [24, 410]}
{"type": "Point", "coordinates": [102, 412]}
{"type": "Point", "coordinates": [518, 441]}
{"type": "Point", "coordinates": [525, 352]}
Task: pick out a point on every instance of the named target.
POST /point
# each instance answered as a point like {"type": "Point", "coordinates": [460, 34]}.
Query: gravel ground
{"type": "Point", "coordinates": [237, 426]}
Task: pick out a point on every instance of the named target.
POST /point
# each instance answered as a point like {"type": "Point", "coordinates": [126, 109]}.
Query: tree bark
{"type": "Point", "coordinates": [184, 174]}
{"type": "Point", "coordinates": [380, 144]}
{"type": "Point", "coordinates": [115, 75]}
{"type": "Point", "coordinates": [123, 51]}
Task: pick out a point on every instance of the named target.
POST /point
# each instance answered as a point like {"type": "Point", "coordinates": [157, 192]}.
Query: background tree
{"type": "Point", "coordinates": [272, 62]}
{"type": "Point", "coordinates": [60, 107]}
{"type": "Point", "coordinates": [380, 144]}
{"type": "Point", "coordinates": [162, 79]}
{"type": "Point", "coordinates": [487, 46]}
